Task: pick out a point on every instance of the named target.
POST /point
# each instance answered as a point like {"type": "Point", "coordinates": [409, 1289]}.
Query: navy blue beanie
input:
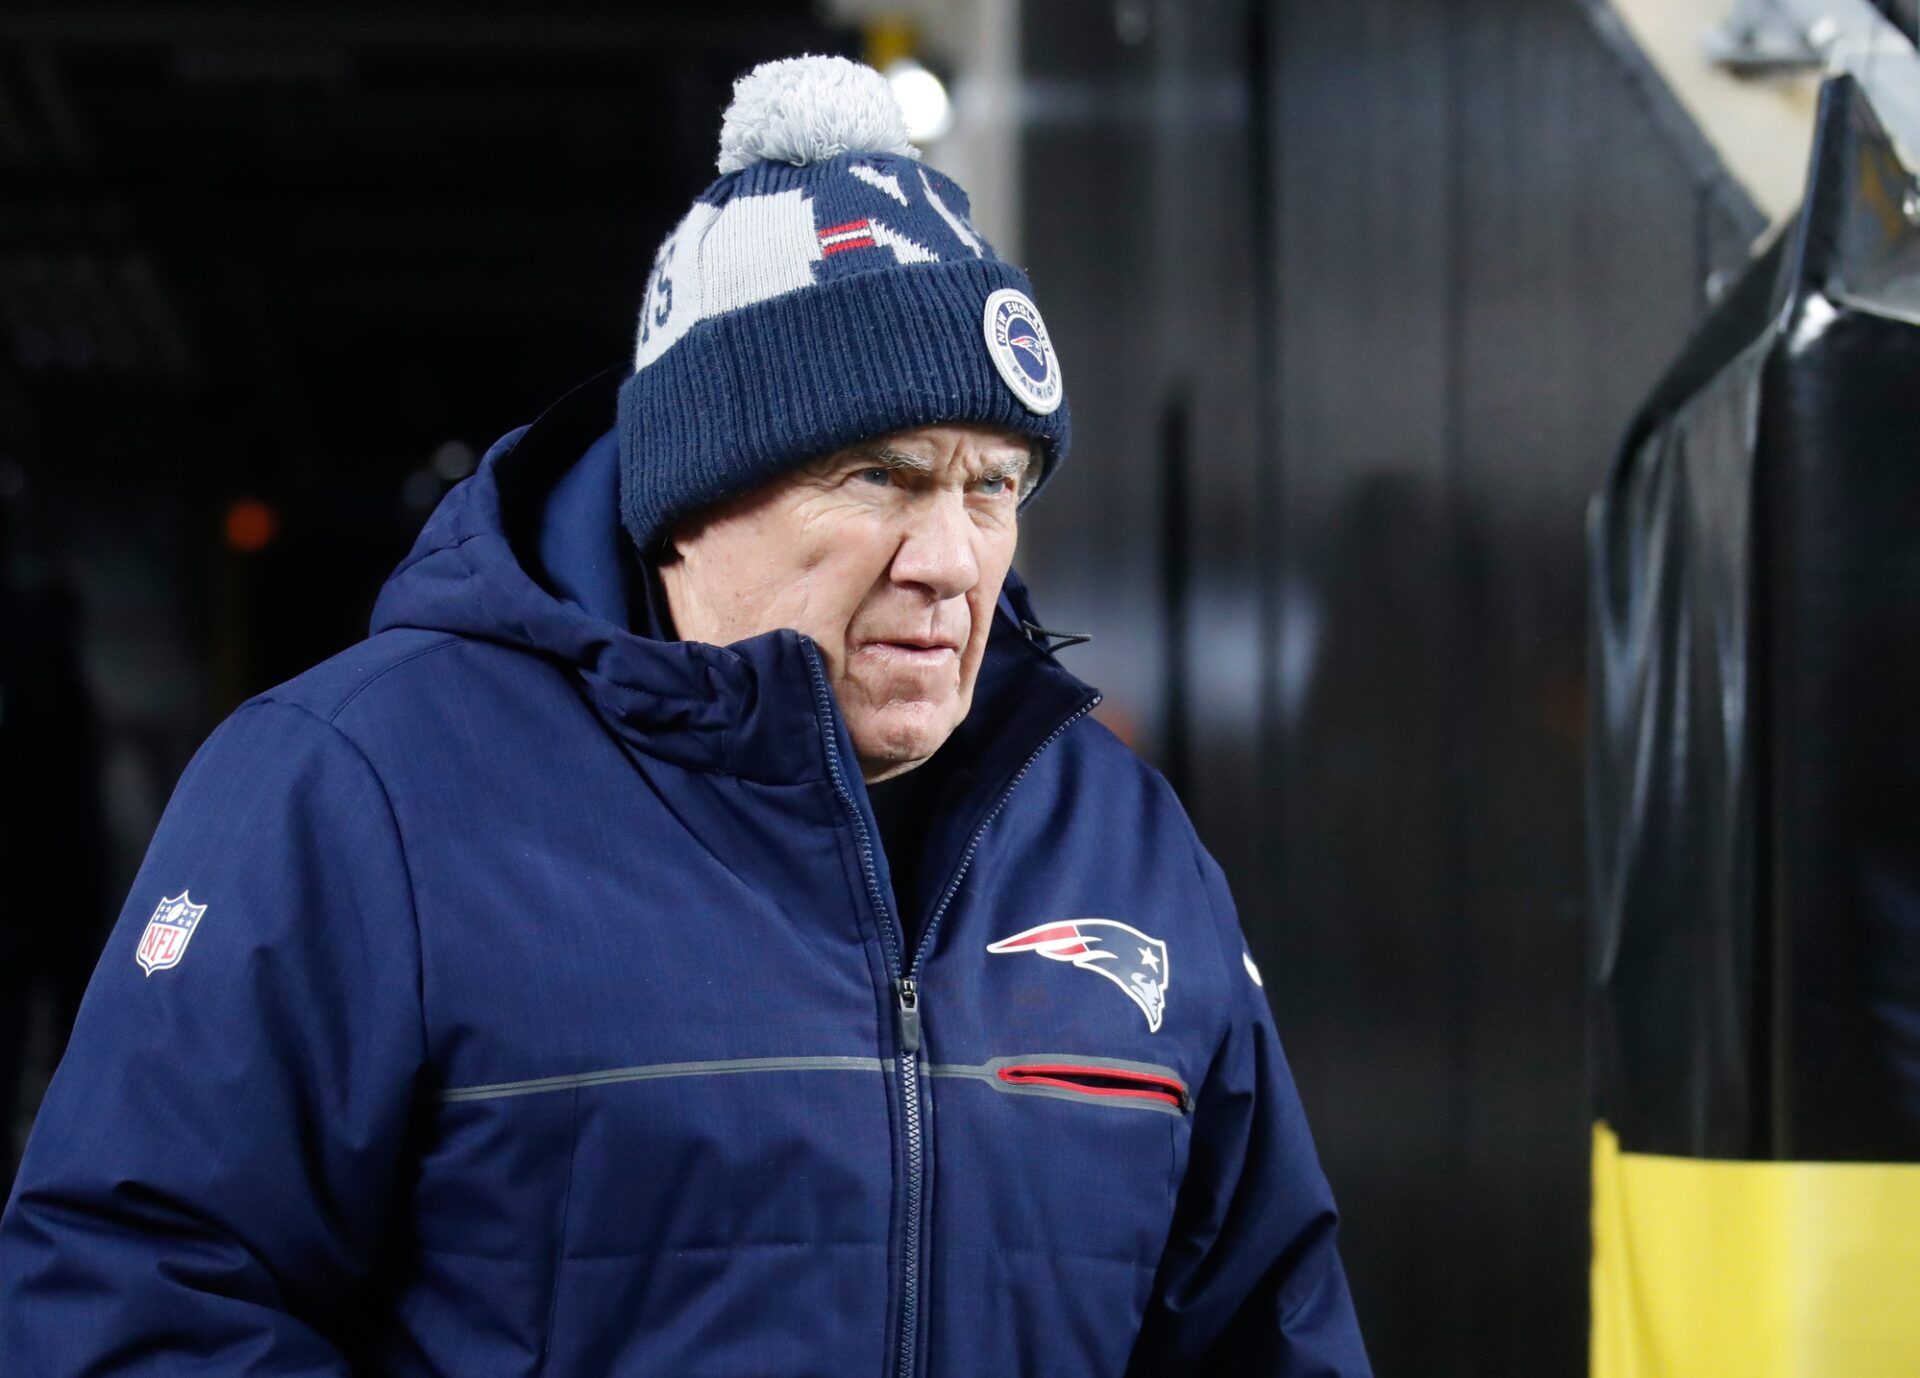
{"type": "Point", "coordinates": [826, 289]}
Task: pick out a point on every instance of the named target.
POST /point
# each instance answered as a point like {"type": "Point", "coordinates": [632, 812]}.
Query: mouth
{"type": "Point", "coordinates": [911, 651]}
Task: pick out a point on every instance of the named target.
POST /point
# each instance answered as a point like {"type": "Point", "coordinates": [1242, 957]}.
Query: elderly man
{"type": "Point", "coordinates": [701, 930]}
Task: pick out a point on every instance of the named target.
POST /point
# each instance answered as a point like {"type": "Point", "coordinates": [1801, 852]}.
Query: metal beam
{"type": "Point", "coordinates": [556, 29]}
{"type": "Point", "coordinates": [1850, 36]}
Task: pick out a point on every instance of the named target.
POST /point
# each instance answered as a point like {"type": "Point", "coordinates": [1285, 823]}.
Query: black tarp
{"type": "Point", "coordinates": [1755, 773]}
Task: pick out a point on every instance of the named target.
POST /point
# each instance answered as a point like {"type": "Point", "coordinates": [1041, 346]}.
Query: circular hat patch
{"type": "Point", "coordinates": [1017, 341]}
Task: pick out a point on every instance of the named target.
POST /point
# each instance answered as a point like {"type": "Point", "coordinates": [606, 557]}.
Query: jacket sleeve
{"type": "Point", "coordinates": [1250, 1282]}
{"type": "Point", "coordinates": [207, 1181]}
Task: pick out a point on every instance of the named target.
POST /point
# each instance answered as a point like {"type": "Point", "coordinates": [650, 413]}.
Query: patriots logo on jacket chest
{"type": "Point", "coordinates": [1132, 960]}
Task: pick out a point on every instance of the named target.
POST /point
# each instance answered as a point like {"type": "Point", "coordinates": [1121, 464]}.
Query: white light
{"type": "Point", "coordinates": [923, 100]}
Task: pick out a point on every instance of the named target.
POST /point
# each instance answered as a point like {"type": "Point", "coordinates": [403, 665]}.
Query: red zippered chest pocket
{"type": "Point", "coordinates": [1098, 1081]}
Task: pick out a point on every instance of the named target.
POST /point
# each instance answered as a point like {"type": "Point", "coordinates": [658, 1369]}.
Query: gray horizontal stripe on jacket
{"type": "Point", "coordinates": [655, 1070]}
{"type": "Point", "coordinates": [986, 1072]}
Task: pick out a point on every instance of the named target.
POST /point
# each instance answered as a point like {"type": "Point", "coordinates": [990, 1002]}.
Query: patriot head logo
{"type": "Point", "coordinates": [1022, 353]}
{"type": "Point", "coordinates": [168, 933]}
{"type": "Point", "coordinates": [1028, 351]}
{"type": "Point", "coordinates": [1125, 956]}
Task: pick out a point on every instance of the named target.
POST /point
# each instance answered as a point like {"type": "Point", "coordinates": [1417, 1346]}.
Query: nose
{"type": "Point", "coordinates": [937, 552]}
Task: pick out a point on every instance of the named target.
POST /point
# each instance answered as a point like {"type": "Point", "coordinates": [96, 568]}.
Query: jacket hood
{"type": "Point", "coordinates": [529, 552]}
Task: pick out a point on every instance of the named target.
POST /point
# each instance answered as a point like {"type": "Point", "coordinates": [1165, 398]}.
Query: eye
{"type": "Point", "coordinates": [886, 474]}
{"type": "Point", "coordinates": [994, 487]}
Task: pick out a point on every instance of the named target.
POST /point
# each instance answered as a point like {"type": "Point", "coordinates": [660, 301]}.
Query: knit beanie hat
{"type": "Point", "coordinates": [826, 289]}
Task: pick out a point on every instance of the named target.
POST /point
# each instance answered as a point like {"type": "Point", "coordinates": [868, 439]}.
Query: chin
{"type": "Point", "coordinates": [900, 734]}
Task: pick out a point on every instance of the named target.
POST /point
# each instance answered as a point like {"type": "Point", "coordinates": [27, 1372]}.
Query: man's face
{"type": "Point", "coordinates": [890, 554]}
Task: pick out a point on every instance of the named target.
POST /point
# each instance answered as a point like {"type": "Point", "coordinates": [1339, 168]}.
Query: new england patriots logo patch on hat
{"type": "Point", "coordinates": [1125, 956]}
{"type": "Point", "coordinates": [1017, 341]}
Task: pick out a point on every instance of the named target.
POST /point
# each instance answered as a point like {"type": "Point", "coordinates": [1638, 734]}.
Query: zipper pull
{"type": "Point", "coordinates": [909, 1014]}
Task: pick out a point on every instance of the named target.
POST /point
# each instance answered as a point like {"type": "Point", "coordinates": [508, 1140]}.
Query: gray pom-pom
{"type": "Point", "coordinates": [804, 110]}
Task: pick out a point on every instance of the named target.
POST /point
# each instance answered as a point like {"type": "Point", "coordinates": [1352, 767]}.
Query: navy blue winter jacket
{"type": "Point", "coordinates": [517, 994]}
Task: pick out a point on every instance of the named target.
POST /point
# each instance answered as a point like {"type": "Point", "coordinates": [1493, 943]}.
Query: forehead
{"type": "Point", "coordinates": [958, 435]}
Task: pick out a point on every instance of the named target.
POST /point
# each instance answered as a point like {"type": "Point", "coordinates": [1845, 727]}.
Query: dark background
{"type": "Point", "coordinates": [1378, 286]}
{"type": "Point", "coordinates": [1354, 299]}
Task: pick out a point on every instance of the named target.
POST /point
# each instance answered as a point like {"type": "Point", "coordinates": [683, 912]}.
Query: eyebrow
{"type": "Point", "coordinates": [1012, 467]}
{"type": "Point", "coordinates": [888, 457]}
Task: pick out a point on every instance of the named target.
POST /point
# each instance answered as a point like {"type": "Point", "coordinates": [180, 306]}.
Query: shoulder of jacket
{"type": "Point", "coordinates": [1129, 782]}
{"type": "Point", "coordinates": [328, 688]}
{"type": "Point", "coordinates": [1098, 750]}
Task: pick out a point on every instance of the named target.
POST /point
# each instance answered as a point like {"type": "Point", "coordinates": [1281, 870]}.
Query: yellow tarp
{"type": "Point", "coordinates": [1711, 1269]}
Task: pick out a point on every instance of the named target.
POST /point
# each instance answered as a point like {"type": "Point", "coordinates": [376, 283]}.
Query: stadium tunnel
{"type": "Point", "coordinates": [1581, 877]}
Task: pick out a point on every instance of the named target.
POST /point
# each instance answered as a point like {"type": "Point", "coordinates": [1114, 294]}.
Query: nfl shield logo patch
{"type": "Point", "coordinates": [168, 932]}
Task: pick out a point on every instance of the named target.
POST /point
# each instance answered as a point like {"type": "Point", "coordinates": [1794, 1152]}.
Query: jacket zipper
{"type": "Point", "coordinates": [906, 988]}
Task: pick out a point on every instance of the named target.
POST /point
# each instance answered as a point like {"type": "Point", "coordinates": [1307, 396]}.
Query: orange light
{"type": "Point", "coordinates": [1119, 721]}
{"type": "Point", "coordinates": [251, 525]}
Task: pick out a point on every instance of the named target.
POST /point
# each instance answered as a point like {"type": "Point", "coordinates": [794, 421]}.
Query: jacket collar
{"type": "Point", "coordinates": [529, 552]}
